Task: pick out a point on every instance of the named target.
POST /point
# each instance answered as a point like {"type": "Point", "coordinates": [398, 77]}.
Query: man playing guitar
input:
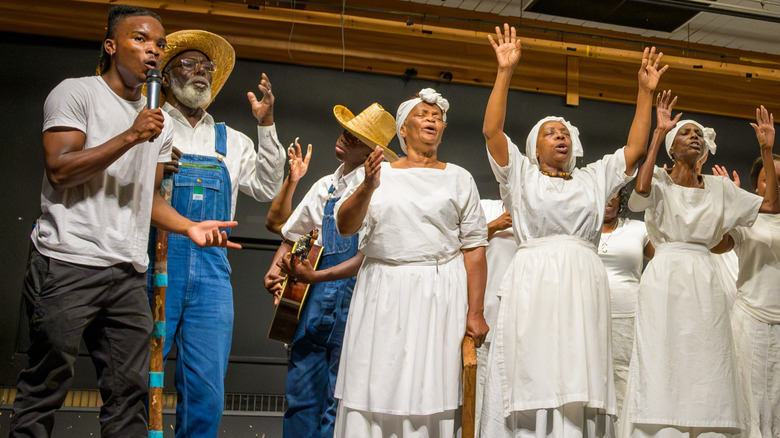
{"type": "Point", "coordinates": [316, 345]}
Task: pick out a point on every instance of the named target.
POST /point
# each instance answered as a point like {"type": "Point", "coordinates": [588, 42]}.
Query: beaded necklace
{"type": "Point", "coordinates": [564, 175]}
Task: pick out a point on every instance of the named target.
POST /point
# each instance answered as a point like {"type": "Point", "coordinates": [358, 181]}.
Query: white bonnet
{"type": "Point", "coordinates": [530, 141]}
{"type": "Point", "coordinates": [427, 95]}
{"type": "Point", "coordinates": [708, 134]}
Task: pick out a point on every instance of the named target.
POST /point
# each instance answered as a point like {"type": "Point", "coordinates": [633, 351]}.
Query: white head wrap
{"type": "Point", "coordinates": [427, 95]}
{"type": "Point", "coordinates": [576, 145]}
{"type": "Point", "coordinates": [708, 134]}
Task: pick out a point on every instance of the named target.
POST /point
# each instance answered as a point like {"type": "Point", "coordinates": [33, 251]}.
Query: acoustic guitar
{"type": "Point", "coordinates": [288, 312]}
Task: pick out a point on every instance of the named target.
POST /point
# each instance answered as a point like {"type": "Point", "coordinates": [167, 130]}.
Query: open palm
{"type": "Point", "coordinates": [764, 127]}
{"type": "Point", "coordinates": [507, 47]}
{"type": "Point", "coordinates": [664, 106]}
{"type": "Point", "coordinates": [649, 72]}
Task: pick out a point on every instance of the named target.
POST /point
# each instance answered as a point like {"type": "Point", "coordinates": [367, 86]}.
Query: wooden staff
{"type": "Point", "coordinates": [158, 313]}
{"type": "Point", "coordinates": [468, 415]}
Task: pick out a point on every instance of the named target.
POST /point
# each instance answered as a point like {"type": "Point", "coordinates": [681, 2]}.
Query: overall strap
{"type": "Point", "coordinates": [220, 138]}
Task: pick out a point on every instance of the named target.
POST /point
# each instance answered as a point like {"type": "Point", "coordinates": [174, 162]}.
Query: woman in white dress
{"type": "Point", "coordinates": [501, 248]}
{"type": "Point", "coordinates": [755, 318]}
{"type": "Point", "coordinates": [683, 380]}
{"type": "Point", "coordinates": [550, 362]}
{"type": "Point", "coordinates": [419, 290]}
{"type": "Point", "coordinates": [623, 248]}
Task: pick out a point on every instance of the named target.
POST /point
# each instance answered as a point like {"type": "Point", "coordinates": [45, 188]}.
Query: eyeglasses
{"type": "Point", "coordinates": [195, 64]}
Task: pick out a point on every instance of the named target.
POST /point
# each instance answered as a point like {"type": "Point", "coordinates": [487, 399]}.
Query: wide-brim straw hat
{"type": "Point", "coordinates": [373, 126]}
{"type": "Point", "coordinates": [218, 50]}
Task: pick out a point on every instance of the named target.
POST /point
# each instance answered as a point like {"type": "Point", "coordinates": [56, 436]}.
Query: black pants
{"type": "Point", "coordinates": [107, 307]}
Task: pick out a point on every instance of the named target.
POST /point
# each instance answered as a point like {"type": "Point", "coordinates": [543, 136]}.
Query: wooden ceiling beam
{"type": "Point", "coordinates": [378, 44]}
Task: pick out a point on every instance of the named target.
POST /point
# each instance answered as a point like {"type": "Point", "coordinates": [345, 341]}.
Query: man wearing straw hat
{"type": "Point", "coordinates": [86, 277]}
{"type": "Point", "coordinates": [217, 161]}
{"type": "Point", "coordinates": [316, 346]}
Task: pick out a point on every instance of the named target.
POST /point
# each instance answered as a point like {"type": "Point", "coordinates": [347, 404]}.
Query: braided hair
{"type": "Point", "coordinates": [115, 16]}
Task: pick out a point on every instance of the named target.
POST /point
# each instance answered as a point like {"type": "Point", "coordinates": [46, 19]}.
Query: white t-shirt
{"type": "Point", "coordinates": [758, 284]}
{"type": "Point", "coordinates": [257, 175]}
{"type": "Point", "coordinates": [622, 252]}
{"type": "Point", "coordinates": [105, 220]}
{"type": "Point", "coordinates": [310, 212]}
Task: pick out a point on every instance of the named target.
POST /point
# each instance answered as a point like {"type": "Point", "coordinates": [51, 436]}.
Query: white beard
{"type": "Point", "coordinates": [190, 95]}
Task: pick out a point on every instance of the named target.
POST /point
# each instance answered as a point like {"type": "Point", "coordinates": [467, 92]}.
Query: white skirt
{"type": "Point", "coordinates": [758, 362]}
{"type": "Point", "coordinates": [360, 424]}
{"type": "Point", "coordinates": [552, 344]}
{"type": "Point", "coordinates": [622, 346]}
{"type": "Point", "coordinates": [683, 369]}
{"type": "Point", "coordinates": [402, 346]}
{"type": "Point", "coordinates": [572, 420]}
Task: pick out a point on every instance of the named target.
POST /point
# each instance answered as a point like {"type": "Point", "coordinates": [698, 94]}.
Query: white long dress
{"type": "Point", "coordinates": [683, 376]}
{"type": "Point", "coordinates": [501, 248]}
{"type": "Point", "coordinates": [622, 252]}
{"type": "Point", "coordinates": [756, 323]}
{"type": "Point", "coordinates": [550, 363]}
{"type": "Point", "coordinates": [401, 359]}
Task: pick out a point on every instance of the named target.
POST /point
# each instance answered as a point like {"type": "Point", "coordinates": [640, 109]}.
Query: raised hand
{"type": "Point", "coordinates": [506, 46]}
{"type": "Point", "coordinates": [263, 109]}
{"type": "Point", "coordinates": [207, 233]}
{"type": "Point", "coordinates": [298, 163]}
{"type": "Point", "coordinates": [664, 104]}
{"type": "Point", "coordinates": [765, 128]}
{"type": "Point", "coordinates": [721, 171]}
{"type": "Point", "coordinates": [649, 73]}
{"type": "Point", "coordinates": [373, 165]}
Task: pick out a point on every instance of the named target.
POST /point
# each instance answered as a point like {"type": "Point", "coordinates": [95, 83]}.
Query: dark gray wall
{"type": "Point", "coordinates": [304, 102]}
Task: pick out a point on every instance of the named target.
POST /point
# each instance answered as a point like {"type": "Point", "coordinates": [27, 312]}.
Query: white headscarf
{"type": "Point", "coordinates": [708, 134]}
{"type": "Point", "coordinates": [427, 95]}
{"type": "Point", "coordinates": [574, 133]}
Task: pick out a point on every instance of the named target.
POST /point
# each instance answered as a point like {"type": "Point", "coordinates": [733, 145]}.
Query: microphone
{"type": "Point", "coordinates": [153, 83]}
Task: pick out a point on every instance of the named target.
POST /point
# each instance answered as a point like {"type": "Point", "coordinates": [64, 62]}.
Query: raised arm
{"type": "Point", "coordinates": [507, 48]}
{"type": "Point", "coordinates": [262, 171]}
{"type": "Point", "coordinates": [664, 106]}
{"type": "Point", "coordinates": [649, 75]}
{"type": "Point", "coordinates": [765, 134]}
{"type": "Point", "coordinates": [353, 211]}
{"type": "Point", "coordinates": [68, 164]}
{"type": "Point", "coordinates": [263, 109]}
{"type": "Point", "coordinates": [281, 207]}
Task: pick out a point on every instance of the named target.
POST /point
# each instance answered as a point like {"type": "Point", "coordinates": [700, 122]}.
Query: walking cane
{"type": "Point", "coordinates": [158, 312]}
{"type": "Point", "coordinates": [468, 415]}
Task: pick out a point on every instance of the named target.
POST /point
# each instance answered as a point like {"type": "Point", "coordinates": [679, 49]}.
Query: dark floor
{"type": "Point", "coordinates": [81, 424]}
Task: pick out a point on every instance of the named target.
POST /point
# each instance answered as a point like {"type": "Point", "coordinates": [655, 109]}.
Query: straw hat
{"type": "Point", "coordinates": [218, 50]}
{"type": "Point", "coordinates": [374, 126]}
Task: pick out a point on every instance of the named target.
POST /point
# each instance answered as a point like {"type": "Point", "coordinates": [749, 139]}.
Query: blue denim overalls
{"type": "Point", "coordinates": [199, 299]}
{"type": "Point", "coordinates": [316, 347]}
